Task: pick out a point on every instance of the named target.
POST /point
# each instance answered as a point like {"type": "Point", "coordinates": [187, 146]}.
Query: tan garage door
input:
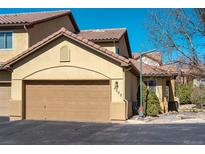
{"type": "Point", "coordinates": [5, 94]}
{"type": "Point", "coordinates": [67, 100]}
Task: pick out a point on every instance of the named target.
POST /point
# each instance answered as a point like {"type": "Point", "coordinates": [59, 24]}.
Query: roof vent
{"type": "Point", "coordinates": [64, 54]}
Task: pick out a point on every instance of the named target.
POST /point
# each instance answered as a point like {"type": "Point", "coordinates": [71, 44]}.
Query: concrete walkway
{"type": "Point", "coordinates": [182, 117]}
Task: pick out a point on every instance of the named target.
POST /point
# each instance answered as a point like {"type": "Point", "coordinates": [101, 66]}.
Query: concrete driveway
{"type": "Point", "coordinates": [49, 132]}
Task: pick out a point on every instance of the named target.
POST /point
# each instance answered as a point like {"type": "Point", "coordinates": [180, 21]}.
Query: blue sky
{"type": "Point", "coordinates": [132, 19]}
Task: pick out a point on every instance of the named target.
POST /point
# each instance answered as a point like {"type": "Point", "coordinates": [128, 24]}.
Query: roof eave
{"type": "Point", "coordinates": [103, 40]}
{"type": "Point", "coordinates": [159, 75]}
{"type": "Point", "coordinates": [128, 43]}
{"type": "Point", "coordinates": [135, 68]}
{"type": "Point", "coordinates": [14, 25]}
{"type": "Point", "coordinates": [74, 22]}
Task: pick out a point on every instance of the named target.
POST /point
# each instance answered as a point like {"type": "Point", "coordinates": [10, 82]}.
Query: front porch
{"type": "Point", "coordinates": [164, 88]}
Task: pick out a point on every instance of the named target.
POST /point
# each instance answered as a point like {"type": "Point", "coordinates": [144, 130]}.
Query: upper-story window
{"type": "Point", "coordinates": [117, 50]}
{"type": "Point", "coordinates": [5, 40]}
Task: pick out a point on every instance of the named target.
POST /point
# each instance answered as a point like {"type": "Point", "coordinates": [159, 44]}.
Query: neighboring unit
{"type": "Point", "coordinates": [192, 74]}
{"type": "Point", "coordinates": [158, 77]}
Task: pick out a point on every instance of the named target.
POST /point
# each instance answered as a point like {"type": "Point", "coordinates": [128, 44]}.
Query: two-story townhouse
{"type": "Point", "coordinates": [50, 70]}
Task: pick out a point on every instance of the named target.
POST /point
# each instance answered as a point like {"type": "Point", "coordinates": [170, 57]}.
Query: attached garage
{"type": "Point", "coordinates": [5, 95]}
{"type": "Point", "coordinates": [67, 100]}
{"type": "Point", "coordinates": [65, 77]}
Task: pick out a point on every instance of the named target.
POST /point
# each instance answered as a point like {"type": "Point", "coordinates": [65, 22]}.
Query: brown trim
{"type": "Point", "coordinates": [128, 43]}
{"type": "Point", "coordinates": [74, 22]}
{"type": "Point", "coordinates": [11, 26]}
{"type": "Point", "coordinates": [23, 99]}
{"type": "Point", "coordinates": [105, 41]}
{"type": "Point", "coordinates": [5, 83]}
{"type": "Point", "coordinates": [157, 75]}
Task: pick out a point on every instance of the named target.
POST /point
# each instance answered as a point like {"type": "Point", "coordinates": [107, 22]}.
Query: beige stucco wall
{"type": "Point", "coordinates": [40, 31]}
{"type": "Point", "coordinates": [85, 64]}
{"type": "Point", "coordinates": [109, 46]}
{"type": "Point", "coordinates": [130, 90]}
{"type": "Point", "coordinates": [20, 43]}
{"type": "Point", "coordinates": [161, 92]}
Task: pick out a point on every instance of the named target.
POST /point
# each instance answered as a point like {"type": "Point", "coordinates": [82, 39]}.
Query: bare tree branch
{"type": "Point", "coordinates": [179, 33]}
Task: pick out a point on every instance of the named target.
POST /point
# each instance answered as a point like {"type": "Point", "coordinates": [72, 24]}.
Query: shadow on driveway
{"type": "Point", "coordinates": [4, 119]}
{"type": "Point", "coordinates": [50, 132]}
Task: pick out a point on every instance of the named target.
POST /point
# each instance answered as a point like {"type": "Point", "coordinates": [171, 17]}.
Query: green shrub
{"type": "Point", "coordinates": [153, 106]}
{"type": "Point", "coordinates": [150, 102]}
{"type": "Point", "coordinates": [183, 92]}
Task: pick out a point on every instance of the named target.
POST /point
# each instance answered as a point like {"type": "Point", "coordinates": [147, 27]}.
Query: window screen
{"type": "Point", "coordinates": [5, 40]}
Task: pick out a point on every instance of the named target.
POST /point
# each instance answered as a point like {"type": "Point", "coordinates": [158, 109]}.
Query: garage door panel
{"type": "Point", "coordinates": [68, 100]}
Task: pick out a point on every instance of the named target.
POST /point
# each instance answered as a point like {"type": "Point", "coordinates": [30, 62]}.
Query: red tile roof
{"type": "Point", "coordinates": [156, 56]}
{"type": "Point", "coordinates": [154, 71]}
{"type": "Point", "coordinates": [103, 34]}
{"type": "Point", "coordinates": [192, 71]}
{"type": "Point", "coordinates": [33, 18]}
{"type": "Point", "coordinates": [80, 39]}
{"type": "Point", "coordinates": [107, 35]}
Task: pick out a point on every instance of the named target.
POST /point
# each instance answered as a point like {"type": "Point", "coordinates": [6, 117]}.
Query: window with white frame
{"type": "Point", "coordinates": [6, 40]}
{"type": "Point", "coordinates": [151, 85]}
